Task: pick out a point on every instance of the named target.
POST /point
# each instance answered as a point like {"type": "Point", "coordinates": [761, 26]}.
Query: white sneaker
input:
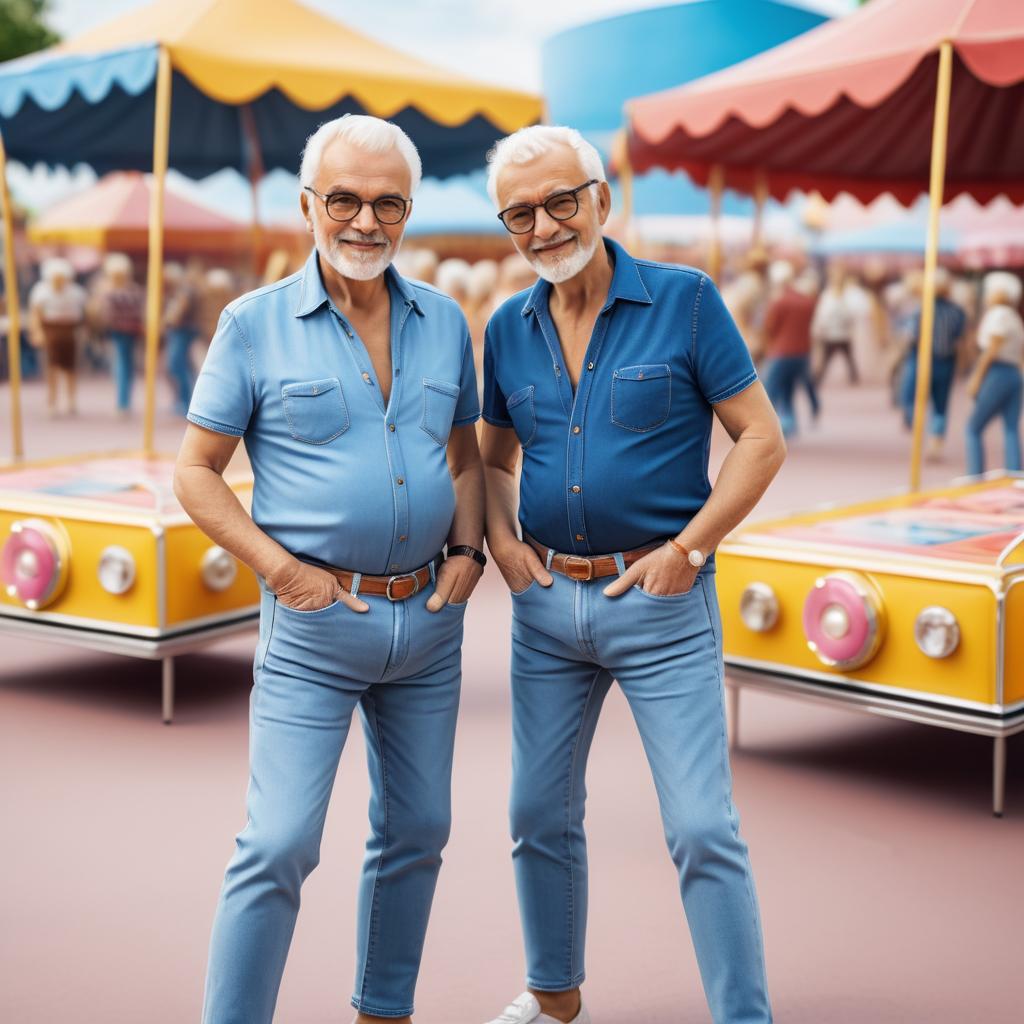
{"type": "Point", "coordinates": [526, 1010]}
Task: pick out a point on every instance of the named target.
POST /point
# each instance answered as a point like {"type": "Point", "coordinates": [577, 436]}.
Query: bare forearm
{"type": "Point", "coordinates": [216, 510]}
{"type": "Point", "coordinates": [468, 523]}
{"type": "Point", "coordinates": [501, 506]}
{"type": "Point", "coordinates": [747, 471]}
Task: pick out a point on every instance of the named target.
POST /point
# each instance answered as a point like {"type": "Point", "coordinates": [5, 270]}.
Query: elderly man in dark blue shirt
{"type": "Point", "coordinates": [605, 377]}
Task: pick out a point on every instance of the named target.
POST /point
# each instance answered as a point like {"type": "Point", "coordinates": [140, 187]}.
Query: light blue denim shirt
{"type": "Point", "coordinates": [339, 478]}
{"type": "Point", "coordinates": [622, 461]}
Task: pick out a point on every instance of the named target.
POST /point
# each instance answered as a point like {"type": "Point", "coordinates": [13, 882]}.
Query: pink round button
{"type": "Point", "coordinates": [841, 622]}
{"type": "Point", "coordinates": [30, 563]}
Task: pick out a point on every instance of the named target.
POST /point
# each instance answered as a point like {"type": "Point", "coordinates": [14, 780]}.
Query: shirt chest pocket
{"type": "Point", "coordinates": [315, 410]}
{"type": "Point", "coordinates": [523, 414]}
{"type": "Point", "coordinates": [641, 396]}
{"type": "Point", "coordinates": [439, 401]}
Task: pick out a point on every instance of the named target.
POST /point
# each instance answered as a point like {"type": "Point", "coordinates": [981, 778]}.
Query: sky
{"type": "Point", "coordinates": [475, 37]}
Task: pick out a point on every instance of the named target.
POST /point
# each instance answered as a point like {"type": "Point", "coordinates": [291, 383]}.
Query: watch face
{"type": "Point", "coordinates": [696, 559]}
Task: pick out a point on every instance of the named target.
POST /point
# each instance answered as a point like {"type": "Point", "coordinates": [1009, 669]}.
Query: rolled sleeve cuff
{"type": "Point", "coordinates": [496, 421]}
{"type": "Point", "coordinates": [735, 389]}
{"type": "Point", "coordinates": [220, 428]}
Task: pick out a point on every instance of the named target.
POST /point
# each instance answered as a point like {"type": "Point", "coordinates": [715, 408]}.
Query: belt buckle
{"type": "Point", "coordinates": [404, 576]}
{"type": "Point", "coordinates": [571, 561]}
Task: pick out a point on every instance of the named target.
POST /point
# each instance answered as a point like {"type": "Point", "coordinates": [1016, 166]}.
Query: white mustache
{"type": "Point", "coordinates": [552, 242]}
{"type": "Point", "coordinates": [375, 238]}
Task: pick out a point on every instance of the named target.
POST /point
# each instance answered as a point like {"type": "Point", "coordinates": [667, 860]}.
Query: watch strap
{"type": "Point", "coordinates": [470, 552]}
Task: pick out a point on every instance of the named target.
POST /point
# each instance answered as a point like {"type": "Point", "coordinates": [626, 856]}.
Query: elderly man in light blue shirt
{"type": "Point", "coordinates": [355, 393]}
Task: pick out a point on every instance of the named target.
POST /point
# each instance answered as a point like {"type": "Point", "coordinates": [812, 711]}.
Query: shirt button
{"type": "Point", "coordinates": [366, 377]}
{"type": "Point", "coordinates": [579, 536]}
{"type": "Point", "coordinates": [394, 567]}
{"type": "Point", "coordinates": [403, 537]}
{"type": "Point", "coordinates": [575, 488]}
{"type": "Point", "coordinates": [575, 430]}
{"type": "Point", "coordinates": [391, 427]}
{"type": "Point", "coordinates": [590, 366]}
{"type": "Point", "coordinates": [400, 480]}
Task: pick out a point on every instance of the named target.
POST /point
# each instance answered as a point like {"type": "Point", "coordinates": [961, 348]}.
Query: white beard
{"type": "Point", "coordinates": [352, 264]}
{"type": "Point", "coordinates": [558, 268]}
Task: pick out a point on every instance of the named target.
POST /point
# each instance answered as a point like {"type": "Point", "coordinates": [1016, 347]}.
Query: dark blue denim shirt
{"type": "Point", "coordinates": [623, 461]}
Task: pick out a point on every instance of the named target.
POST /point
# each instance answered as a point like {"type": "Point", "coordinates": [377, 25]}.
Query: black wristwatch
{"type": "Point", "coordinates": [464, 549]}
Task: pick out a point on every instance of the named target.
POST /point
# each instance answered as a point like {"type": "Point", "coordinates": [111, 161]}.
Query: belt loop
{"type": "Point", "coordinates": [433, 570]}
{"type": "Point", "coordinates": [551, 555]}
{"type": "Point", "coordinates": [356, 580]}
{"type": "Point", "coordinates": [620, 562]}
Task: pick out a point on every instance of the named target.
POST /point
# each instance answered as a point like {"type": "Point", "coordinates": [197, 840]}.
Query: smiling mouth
{"type": "Point", "coordinates": [544, 250]}
{"type": "Point", "coordinates": [362, 245]}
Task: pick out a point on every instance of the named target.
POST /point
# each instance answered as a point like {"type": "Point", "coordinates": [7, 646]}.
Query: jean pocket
{"type": "Point", "coordinates": [523, 415]}
{"type": "Point", "coordinates": [439, 401]}
{"type": "Point", "coordinates": [641, 396]}
{"type": "Point", "coordinates": [315, 410]}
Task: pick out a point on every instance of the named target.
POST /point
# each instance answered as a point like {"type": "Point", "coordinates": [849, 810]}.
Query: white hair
{"type": "Point", "coordinates": [535, 140]}
{"type": "Point", "coordinates": [453, 277]}
{"type": "Point", "coordinates": [1004, 284]}
{"type": "Point", "coordinates": [56, 266]}
{"type": "Point", "coordinates": [371, 134]}
{"type": "Point", "coordinates": [780, 272]}
{"type": "Point", "coordinates": [117, 263]}
{"type": "Point", "coordinates": [483, 276]}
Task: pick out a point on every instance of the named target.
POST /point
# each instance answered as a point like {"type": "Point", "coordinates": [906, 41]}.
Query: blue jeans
{"type": "Point", "coordinates": [941, 385]}
{"type": "Point", "coordinates": [568, 642]}
{"type": "Point", "coordinates": [401, 666]}
{"type": "Point", "coordinates": [124, 349]}
{"type": "Point", "coordinates": [780, 380]}
{"type": "Point", "coordinates": [183, 377]}
{"type": "Point", "coordinates": [999, 395]}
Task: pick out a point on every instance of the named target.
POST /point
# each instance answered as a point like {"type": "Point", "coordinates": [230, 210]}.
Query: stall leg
{"type": "Point", "coordinates": [998, 775]}
{"type": "Point", "coordinates": [734, 715]}
{"type": "Point", "coordinates": [168, 689]}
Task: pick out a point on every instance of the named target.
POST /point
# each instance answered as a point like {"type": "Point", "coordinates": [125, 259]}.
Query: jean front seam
{"type": "Point", "coordinates": [570, 791]}
{"type": "Point", "coordinates": [371, 941]}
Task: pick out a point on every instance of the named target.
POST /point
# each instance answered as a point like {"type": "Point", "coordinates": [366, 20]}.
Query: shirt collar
{"type": "Point", "coordinates": [313, 294]}
{"type": "Point", "coordinates": [627, 284]}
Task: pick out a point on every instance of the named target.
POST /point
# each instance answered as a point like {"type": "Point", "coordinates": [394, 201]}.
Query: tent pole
{"type": "Point", "coordinates": [760, 197]}
{"type": "Point", "coordinates": [155, 275]}
{"type": "Point", "coordinates": [940, 131]}
{"type": "Point", "coordinates": [716, 183]}
{"type": "Point", "coordinates": [13, 309]}
{"type": "Point", "coordinates": [255, 168]}
{"type": "Point", "coordinates": [620, 156]}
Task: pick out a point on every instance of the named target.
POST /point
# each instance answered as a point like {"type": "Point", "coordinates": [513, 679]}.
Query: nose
{"type": "Point", "coordinates": [364, 220]}
{"type": "Point", "coordinates": [544, 225]}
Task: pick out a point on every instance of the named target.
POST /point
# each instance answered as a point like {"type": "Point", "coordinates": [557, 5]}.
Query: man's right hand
{"type": "Point", "coordinates": [519, 564]}
{"type": "Point", "coordinates": [308, 588]}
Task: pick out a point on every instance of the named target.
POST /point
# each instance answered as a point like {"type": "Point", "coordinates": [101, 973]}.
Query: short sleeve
{"type": "Point", "coordinates": [495, 410]}
{"type": "Point", "coordinates": [467, 410]}
{"type": "Point", "coordinates": [996, 323]}
{"type": "Point", "coordinates": [224, 395]}
{"type": "Point", "coordinates": [720, 356]}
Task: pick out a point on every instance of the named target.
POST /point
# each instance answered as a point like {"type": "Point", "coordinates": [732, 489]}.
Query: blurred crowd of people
{"type": "Point", "coordinates": [798, 318]}
{"type": "Point", "coordinates": [97, 325]}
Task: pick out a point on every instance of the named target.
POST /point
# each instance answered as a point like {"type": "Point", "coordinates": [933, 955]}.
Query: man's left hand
{"type": "Point", "coordinates": [664, 573]}
{"type": "Point", "coordinates": [456, 579]}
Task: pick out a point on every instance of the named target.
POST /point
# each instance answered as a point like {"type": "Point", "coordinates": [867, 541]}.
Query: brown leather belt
{"type": "Point", "coordinates": [394, 588]}
{"type": "Point", "coordinates": [579, 567]}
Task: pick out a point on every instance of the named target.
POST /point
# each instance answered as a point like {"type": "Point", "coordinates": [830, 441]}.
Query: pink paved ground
{"type": "Point", "coordinates": [889, 893]}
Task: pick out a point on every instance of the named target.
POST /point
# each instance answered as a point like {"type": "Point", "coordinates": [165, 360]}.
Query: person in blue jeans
{"type": "Point", "coordinates": [604, 379]}
{"type": "Point", "coordinates": [181, 324]}
{"type": "Point", "coordinates": [949, 326]}
{"type": "Point", "coordinates": [995, 383]}
{"type": "Point", "coordinates": [121, 312]}
{"type": "Point", "coordinates": [355, 392]}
